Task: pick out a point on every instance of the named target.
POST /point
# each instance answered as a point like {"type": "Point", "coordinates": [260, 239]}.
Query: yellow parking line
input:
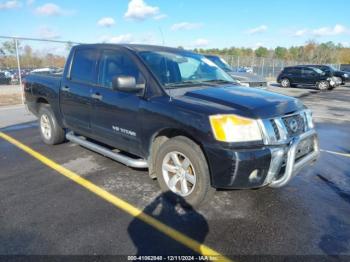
{"type": "Point", "coordinates": [118, 202]}
{"type": "Point", "coordinates": [335, 153]}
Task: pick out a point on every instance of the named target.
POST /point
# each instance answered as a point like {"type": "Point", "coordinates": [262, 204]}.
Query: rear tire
{"type": "Point", "coordinates": [323, 85]}
{"type": "Point", "coordinates": [285, 83]}
{"type": "Point", "coordinates": [51, 133]}
{"type": "Point", "coordinates": [182, 172]}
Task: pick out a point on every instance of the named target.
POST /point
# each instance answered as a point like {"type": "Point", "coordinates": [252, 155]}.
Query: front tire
{"type": "Point", "coordinates": [51, 133]}
{"type": "Point", "coordinates": [323, 85]}
{"type": "Point", "coordinates": [182, 171]}
{"type": "Point", "coordinates": [285, 83]}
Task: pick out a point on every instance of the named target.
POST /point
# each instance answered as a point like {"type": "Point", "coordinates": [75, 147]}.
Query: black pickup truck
{"type": "Point", "coordinates": [176, 113]}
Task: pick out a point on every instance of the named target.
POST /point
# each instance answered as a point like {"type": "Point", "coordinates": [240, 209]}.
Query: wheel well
{"type": "Point", "coordinates": [159, 138]}
{"type": "Point", "coordinates": [39, 102]}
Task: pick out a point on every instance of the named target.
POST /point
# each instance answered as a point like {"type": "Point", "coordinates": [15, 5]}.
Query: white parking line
{"type": "Point", "coordinates": [335, 153]}
{"type": "Point", "coordinates": [331, 118]}
{"type": "Point", "coordinates": [11, 107]}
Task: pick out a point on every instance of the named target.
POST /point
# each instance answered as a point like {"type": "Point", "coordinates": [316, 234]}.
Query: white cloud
{"type": "Point", "coordinates": [12, 4]}
{"type": "Point", "coordinates": [256, 30]}
{"type": "Point", "coordinates": [257, 45]}
{"type": "Point", "coordinates": [119, 39]}
{"type": "Point", "coordinates": [201, 42]}
{"type": "Point", "coordinates": [48, 33]}
{"type": "Point", "coordinates": [323, 31]}
{"type": "Point", "coordinates": [185, 26]}
{"type": "Point", "coordinates": [147, 38]}
{"type": "Point", "coordinates": [139, 10]}
{"type": "Point", "coordinates": [106, 22]}
{"type": "Point", "coordinates": [301, 32]}
{"type": "Point", "coordinates": [30, 2]}
{"type": "Point", "coordinates": [331, 31]}
{"type": "Point", "coordinates": [160, 17]}
{"type": "Point", "coordinates": [50, 9]}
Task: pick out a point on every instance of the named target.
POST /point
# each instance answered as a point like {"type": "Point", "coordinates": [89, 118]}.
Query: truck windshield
{"type": "Point", "coordinates": [221, 63]}
{"type": "Point", "coordinates": [181, 69]}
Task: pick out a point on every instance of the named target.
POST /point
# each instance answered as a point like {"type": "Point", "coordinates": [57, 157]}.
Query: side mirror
{"type": "Point", "coordinates": [126, 84]}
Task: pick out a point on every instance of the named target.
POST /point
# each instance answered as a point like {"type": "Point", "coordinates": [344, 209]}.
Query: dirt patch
{"type": "Point", "coordinates": [10, 99]}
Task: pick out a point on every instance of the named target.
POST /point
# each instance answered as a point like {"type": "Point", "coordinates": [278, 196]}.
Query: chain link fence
{"type": "Point", "coordinates": [21, 56]}
{"type": "Point", "coordinates": [266, 67]}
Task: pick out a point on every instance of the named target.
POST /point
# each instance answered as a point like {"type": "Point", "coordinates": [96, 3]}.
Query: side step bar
{"type": "Point", "coordinates": [128, 161]}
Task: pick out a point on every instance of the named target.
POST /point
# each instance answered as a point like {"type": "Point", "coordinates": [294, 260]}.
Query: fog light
{"type": "Point", "coordinates": [254, 176]}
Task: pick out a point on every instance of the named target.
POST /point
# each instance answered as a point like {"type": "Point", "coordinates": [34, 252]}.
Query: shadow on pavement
{"type": "Point", "coordinates": [337, 240]}
{"type": "Point", "coordinates": [344, 195]}
{"type": "Point", "coordinates": [20, 126]}
{"type": "Point", "coordinates": [178, 215]}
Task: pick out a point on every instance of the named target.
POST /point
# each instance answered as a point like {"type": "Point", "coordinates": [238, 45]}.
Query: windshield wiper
{"type": "Point", "coordinates": [184, 84]}
{"type": "Point", "coordinates": [220, 81]}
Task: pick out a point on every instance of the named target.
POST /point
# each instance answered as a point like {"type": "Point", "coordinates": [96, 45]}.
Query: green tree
{"type": "Point", "coordinates": [281, 52]}
{"type": "Point", "coordinates": [261, 52]}
{"type": "Point", "coordinates": [9, 47]}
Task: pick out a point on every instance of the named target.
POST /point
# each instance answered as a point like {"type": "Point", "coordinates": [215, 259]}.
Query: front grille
{"type": "Point", "coordinates": [283, 129]}
{"type": "Point", "coordinates": [294, 124]}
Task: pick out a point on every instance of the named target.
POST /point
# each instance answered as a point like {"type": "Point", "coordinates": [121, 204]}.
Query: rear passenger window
{"type": "Point", "coordinates": [114, 64]}
{"type": "Point", "coordinates": [83, 67]}
{"type": "Point", "coordinates": [292, 70]}
{"type": "Point", "coordinates": [295, 71]}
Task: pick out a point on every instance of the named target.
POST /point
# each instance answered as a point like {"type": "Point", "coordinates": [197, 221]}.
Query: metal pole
{"type": "Point", "coordinates": [262, 67]}
{"type": "Point", "coordinates": [19, 70]}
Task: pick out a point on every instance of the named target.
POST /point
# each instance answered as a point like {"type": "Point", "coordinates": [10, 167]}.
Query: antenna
{"type": "Point", "coordinates": [162, 35]}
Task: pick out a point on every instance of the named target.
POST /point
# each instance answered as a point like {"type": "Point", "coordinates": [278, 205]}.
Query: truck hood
{"type": "Point", "coordinates": [249, 102]}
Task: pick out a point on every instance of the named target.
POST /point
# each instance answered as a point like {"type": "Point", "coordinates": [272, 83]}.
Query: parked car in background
{"type": "Point", "coordinates": [244, 77]}
{"type": "Point", "coordinates": [45, 70]}
{"type": "Point", "coordinates": [331, 71]}
{"type": "Point", "coordinates": [306, 76]}
{"type": "Point", "coordinates": [244, 69]}
{"type": "Point", "coordinates": [4, 79]}
{"type": "Point", "coordinates": [345, 67]}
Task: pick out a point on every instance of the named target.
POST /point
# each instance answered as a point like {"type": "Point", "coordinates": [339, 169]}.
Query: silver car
{"type": "Point", "coordinates": [243, 78]}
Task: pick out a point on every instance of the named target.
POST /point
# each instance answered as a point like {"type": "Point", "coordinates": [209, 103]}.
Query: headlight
{"type": "Point", "coordinates": [309, 120]}
{"type": "Point", "coordinates": [233, 128]}
{"type": "Point", "coordinates": [243, 84]}
{"type": "Point", "coordinates": [346, 75]}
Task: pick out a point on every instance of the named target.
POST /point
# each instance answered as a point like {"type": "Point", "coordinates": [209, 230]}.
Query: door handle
{"type": "Point", "coordinates": [97, 96]}
{"type": "Point", "coordinates": [65, 88]}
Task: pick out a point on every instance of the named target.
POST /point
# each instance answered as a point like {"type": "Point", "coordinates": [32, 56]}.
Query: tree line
{"type": "Point", "coordinates": [311, 52]}
{"type": "Point", "coordinates": [28, 57]}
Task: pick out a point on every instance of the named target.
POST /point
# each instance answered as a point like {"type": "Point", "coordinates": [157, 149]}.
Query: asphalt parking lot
{"type": "Point", "coordinates": [46, 213]}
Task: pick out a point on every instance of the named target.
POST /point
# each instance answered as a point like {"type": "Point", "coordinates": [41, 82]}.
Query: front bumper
{"type": "Point", "coordinates": [271, 166]}
{"type": "Point", "coordinates": [293, 165]}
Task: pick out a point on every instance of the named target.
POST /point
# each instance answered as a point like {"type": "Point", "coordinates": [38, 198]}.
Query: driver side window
{"type": "Point", "coordinates": [114, 64]}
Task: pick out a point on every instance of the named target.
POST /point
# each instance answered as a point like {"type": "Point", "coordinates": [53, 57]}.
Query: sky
{"type": "Point", "coordinates": [187, 23]}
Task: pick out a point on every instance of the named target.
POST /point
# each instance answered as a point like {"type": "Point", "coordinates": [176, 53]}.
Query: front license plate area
{"type": "Point", "coordinates": [305, 147]}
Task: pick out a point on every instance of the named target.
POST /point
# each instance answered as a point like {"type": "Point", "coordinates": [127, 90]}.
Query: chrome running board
{"type": "Point", "coordinates": [128, 161]}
